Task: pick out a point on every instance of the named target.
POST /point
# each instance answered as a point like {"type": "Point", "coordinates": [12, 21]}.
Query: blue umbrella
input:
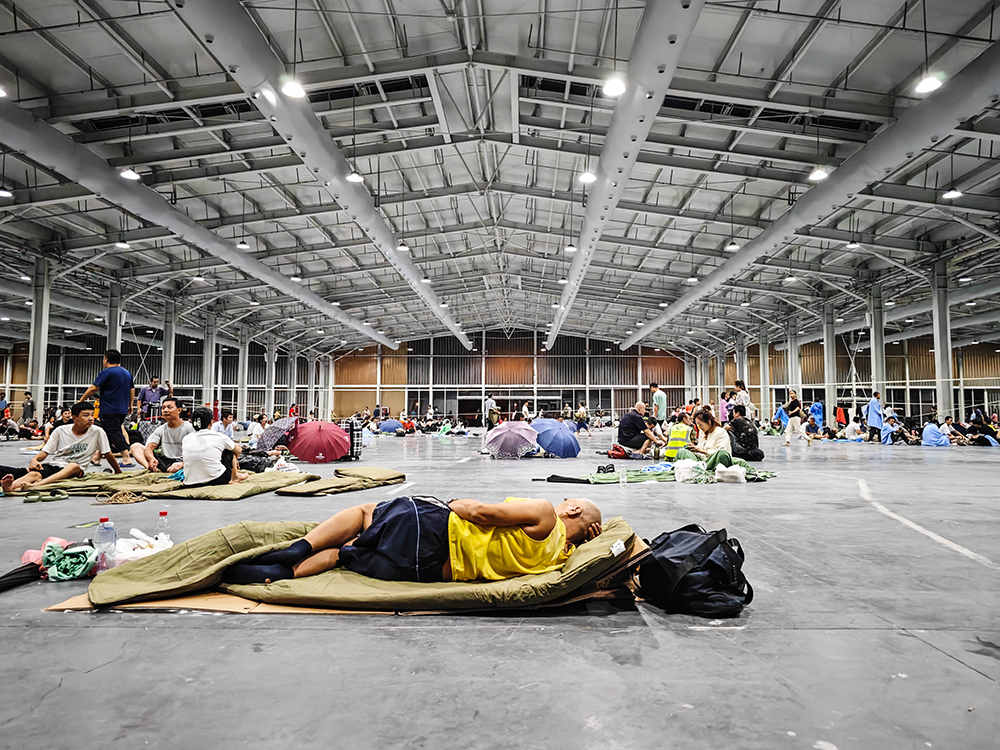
{"type": "Point", "coordinates": [557, 438]}
{"type": "Point", "coordinates": [391, 425]}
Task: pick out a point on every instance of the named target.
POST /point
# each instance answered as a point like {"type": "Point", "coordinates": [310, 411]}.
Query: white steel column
{"type": "Point", "coordinates": [741, 357]}
{"type": "Point", "coordinates": [378, 375]}
{"type": "Point", "coordinates": [720, 369]}
{"type": "Point", "coordinates": [878, 341]}
{"type": "Point", "coordinates": [114, 319]}
{"type": "Point", "coordinates": [242, 373]}
{"type": "Point", "coordinates": [430, 378]}
{"type": "Point", "coordinates": [62, 377]}
{"type": "Point", "coordinates": [764, 357]}
{"type": "Point", "coordinates": [293, 376]}
{"type": "Point", "coordinates": [830, 364]}
{"type": "Point", "coordinates": [690, 379]}
{"type": "Point", "coordinates": [168, 360]}
{"type": "Point", "coordinates": [794, 359]}
{"type": "Point", "coordinates": [41, 294]}
{"type": "Point", "coordinates": [270, 365]}
{"type": "Point", "coordinates": [941, 321]}
{"type": "Point", "coordinates": [586, 364]}
{"type": "Point", "coordinates": [706, 393]}
{"type": "Point", "coordinates": [311, 385]}
{"type": "Point", "coordinates": [208, 361]}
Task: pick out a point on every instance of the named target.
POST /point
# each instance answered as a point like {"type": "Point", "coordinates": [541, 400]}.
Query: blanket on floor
{"type": "Point", "coordinates": [347, 480]}
{"type": "Point", "coordinates": [159, 485]}
{"type": "Point", "coordinates": [705, 476]}
{"type": "Point", "coordinates": [198, 565]}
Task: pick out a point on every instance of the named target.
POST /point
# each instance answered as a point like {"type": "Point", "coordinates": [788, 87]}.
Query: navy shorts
{"type": "Point", "coordinates": [407, 541]}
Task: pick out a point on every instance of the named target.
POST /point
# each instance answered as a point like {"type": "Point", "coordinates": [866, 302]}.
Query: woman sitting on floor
{"type": "Point", "coordinates": [210, 458]}
{"type": "Point", "coordinates": [712, 438]}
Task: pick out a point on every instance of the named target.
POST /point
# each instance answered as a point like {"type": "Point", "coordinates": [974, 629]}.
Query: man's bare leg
{"type": "Point", "coordinates": [67, 472]}
{"type": "Point", "coordinates": [321, 562]}
{"type": "Point", "coordinates": [237, 476]}
{"type": "Point", "coordinates": [138, 452]}
{"type": "Point", "coordinates": [341, 527]}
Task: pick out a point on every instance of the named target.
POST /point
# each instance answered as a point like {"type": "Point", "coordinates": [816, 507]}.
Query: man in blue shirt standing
{"type": "Point", "coordinates": [117, 392]}
{"type": "Point", "coordinates": [873, 415]}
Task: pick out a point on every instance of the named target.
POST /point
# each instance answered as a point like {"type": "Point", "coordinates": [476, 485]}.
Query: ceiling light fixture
{"type": "Point", "coordinates": [554, 305]}
{"type": "Point", "coordinates": [3, 92]}
{"type": "Point", "coordinates": [628, 332]}
{"type": "Point", "coordinates": [444, 304]}
{"type": "Point", "coordinates": [664, 304]}
{"type": "Point", "coordinates": [242, 245]}
{"type": "Point", "coordinates": [295, 278]}
{"type": "Point", "coordinates": [733, 246]}
{"type": "Point", "coordinates": [254, 303]}
{"type": "Point", "coordinates": [929, 82]}
{"type": "Point", "coordinates": [5, 193]}
{"type": "Point", "coordinates": [24, 277]}
{"type": "Point", "coordinates": [692, 279]}
{"type": "Point", "coordinates": [588, 177]}
{"type": "Point", "coordinates": [970, 304]}
{"type": "Point", "coordinates": [908, 320]}
{"type": "Point", "coordinates": [890, 303]}
{"type": "Point", "coordinates": [853, 245]}
{"type": "Point", "coordinates": [199, 277]}
{"type": "Point", "coordinates": [129, 174]}
{"type": "Point", "coordinates": [425, 280]}
{"type": "Point", "coordinates": [403, 247]}
{"type": "Point", "coordinates": [745, 303]}
{"type": "Point", "coordinates": [293, 89]}
{"type": "Point", "coordinates": [818, 174]}
{"type": "Point", "coordinates": [951, 194]}
{"type": "Point", "coordinates": [335, 304]}
{"type": "Point", "coordinates": [570, 248]}
{"type": "Point", "coordinates": [839, 320]}
{"type": "Point", "coordinates": [965, 279]}
{"type": "Point", "coordinates": [563, 280]}
{"type": "Point", "coordinates": [614, 85]}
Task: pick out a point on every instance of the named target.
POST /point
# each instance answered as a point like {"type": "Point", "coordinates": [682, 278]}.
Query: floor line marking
{"type": "Point", "coordinates": [866, 495]}
{"type": "Point", "coordinates": [463, 460]}
{"type": "Point", "coordinates": [400, 488]}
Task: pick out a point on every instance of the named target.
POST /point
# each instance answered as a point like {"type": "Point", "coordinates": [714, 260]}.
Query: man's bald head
{"type": "Point", "coordinates": [578, 515]}
{"type": "Point", "coordinates": [640, 406]}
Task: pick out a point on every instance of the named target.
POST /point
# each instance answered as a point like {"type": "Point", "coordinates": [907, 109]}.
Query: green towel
{"type": "Point", "coordinates": [70, 564]}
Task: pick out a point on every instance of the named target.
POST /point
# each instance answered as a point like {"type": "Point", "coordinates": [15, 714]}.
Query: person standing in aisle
{"type": "Point", "coordinates": [117, 393]}
{"type": "Point", "coordinates": [659, 404]}
{"type": "Point", "coordinates": [491, 416]}
{"type": "Point", "coordinates": [794, 411]}
{"type": "Point", "coordinates": [27, 409]}
{"type": "Point", "coordinates": [874, 418]}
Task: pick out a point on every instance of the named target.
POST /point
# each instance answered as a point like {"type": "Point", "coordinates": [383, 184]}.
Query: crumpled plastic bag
{"type": "Point", "coordinates": [685, 470]}
{"type": "Point", "coordinates": [139, 546]}
{"type": "Point", "coordinates": [69, 564]}
{"type": "Point", "coordinates": [281, 465]}
{"type": "Point", "coordinates": [731, 474]}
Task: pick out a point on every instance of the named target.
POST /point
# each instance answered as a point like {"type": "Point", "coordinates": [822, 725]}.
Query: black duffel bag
{"type": "Point", "coordinates": [695, 572]}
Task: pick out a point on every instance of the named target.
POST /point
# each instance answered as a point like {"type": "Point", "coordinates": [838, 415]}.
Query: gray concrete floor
{"type": "Point", "coordinates": [875, 626]}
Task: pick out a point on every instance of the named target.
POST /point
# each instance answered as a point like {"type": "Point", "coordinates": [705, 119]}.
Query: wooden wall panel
{"type": "Point", "coordinates": [509, 371]}
{"type": "Point", "coordinates": [345, 403]}
{"type": "Point", "coordinates": [662, 370]}
{"type": "Point", "coordinates": [394, 370]}
{"type": "Point", "coordinates": [356, 369]}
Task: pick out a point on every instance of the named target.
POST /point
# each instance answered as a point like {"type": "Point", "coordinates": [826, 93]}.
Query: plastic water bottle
{"type": "Point", "coordinates": [162, 525]}
{"type": "Point", "coordinates": [104, 541]}
{"type": "Point", "coordinates": [622, 477]}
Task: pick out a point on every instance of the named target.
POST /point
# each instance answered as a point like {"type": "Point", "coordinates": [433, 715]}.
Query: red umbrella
{"type": "Point", "coordinates": [319, 442]}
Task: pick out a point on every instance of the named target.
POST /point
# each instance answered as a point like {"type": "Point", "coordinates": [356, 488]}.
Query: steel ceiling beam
{"type": "Point", "coordinates": [956, 323]}
{"type": "Point", "coordinates": [650, 70]}
{"type": "Point", "coordinates": [242, 49]}
{"type": "Point", "coordinates": [46, 145]}
{"type": "Point", "coordinates": [975, 88]}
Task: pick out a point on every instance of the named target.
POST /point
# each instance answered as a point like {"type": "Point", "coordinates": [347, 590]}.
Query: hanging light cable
{"type": "Point", "coordinates": [952, 192]}
{"type": "Point", "coordinates": [615, 84]}
{"type": "Point", "coordinates": [291, 87]}
{"type": "Point", "coordinates": [587, 176]}
{"type": "Point", "coordinates": [929, 82]}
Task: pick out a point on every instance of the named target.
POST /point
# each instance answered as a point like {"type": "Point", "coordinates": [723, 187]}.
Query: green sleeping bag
{"type": "Point", "coordinates": [197, 565]}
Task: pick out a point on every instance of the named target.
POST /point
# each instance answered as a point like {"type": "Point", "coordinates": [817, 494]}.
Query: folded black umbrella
{"type": "Point", "coordinates": [19, 576]}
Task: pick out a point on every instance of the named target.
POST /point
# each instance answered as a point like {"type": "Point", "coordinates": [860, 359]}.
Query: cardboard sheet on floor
{"type": "Point", "coordinates": [197, 565]}
{"type": "Point", "coordinates": [347, 480]}
{"type": "Point", "coordinates": [610, 586]}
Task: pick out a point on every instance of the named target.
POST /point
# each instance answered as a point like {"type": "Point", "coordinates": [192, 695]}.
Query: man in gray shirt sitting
{"type": "Point", "coordinates": [167, 438]}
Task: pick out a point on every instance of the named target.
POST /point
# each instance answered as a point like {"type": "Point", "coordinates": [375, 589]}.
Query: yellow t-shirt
{"type": "Point", "coordinates": [498, 552]}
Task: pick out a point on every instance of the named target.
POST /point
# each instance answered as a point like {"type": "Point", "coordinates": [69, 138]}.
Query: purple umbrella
{"type": "Point", "coordinates": [275, 431]}
{"type": "Point", "coordinates": [511, 440]}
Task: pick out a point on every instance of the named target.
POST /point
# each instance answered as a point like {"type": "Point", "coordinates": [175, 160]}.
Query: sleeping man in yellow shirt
{"type": "Point", "coordinates": [423, 539]}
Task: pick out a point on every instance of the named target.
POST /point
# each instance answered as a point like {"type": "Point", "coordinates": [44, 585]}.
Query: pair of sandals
{"type": "Point", "coordinates": [37, 496]}
{"type": "Point", "coordinates": [606, 469]}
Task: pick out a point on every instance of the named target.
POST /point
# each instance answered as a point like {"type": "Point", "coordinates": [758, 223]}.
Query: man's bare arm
{"type": "Point", "coordinates": [88, 393]}
{"type": "Point", "coordinates": [35, 464]}
{"type": "Point", "coordinates": [536, 517]}
{"type": "Point", "coordinates": [113, 461]}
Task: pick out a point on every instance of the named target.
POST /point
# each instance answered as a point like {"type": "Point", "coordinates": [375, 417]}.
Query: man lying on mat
{"type": "Point", "coordinates": [423, 539]}
{"type": "Point", "coordinates": [67, 447]}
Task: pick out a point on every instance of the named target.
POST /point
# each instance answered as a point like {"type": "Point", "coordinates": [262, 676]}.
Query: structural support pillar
{"type": "Point", "coordinates": [741, 357]}
{"type": "Point", "coordinates": [690, 377]}
{"type": "Point", "coordinates": [720, 369]}
{"type": "Point", "coordinates": [706, 390]}
{"type": "Point", "coordinates": [169, 358]}
{"type": "Point", "coordinates": [764, 343]}
{"type": "Point", "coordinates": [941, 322]}
{"type": "Point", "coordinates": [41, 294]}
{"type": "Point", "coordinates": [114, 320]}
{"type": "Point", "coordinates": [830, 364]}
{"type": "Point", "coordinates": [208, 361]}
{"type": "Point", "coordinates": [293, 375]}
{"type": "Point", "coordinates": [242, 373]}
{"type": "Point", "coordinates": [878, 341]}
{"type": "Point", "coordinates": [794, 360]}
{"type": "Point", "coordinates": [270, 367]}
{"type": "Point", "coordinates": [311, 386]}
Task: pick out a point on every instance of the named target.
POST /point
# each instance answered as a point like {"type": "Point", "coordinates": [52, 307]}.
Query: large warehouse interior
{"type": "Point", "coordinates": [736, 258]}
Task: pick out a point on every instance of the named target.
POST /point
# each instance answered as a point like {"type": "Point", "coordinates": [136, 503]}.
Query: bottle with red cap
{"type": "Point", "coordinates": [162, 526]}
{"type": "Point", "coordinates": [104, 541]}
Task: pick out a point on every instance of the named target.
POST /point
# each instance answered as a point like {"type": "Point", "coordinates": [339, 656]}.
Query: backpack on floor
{"type": "Point", "coordinates": [617, 452]}
{"type": "Point", "coordinates": [697, 572]}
